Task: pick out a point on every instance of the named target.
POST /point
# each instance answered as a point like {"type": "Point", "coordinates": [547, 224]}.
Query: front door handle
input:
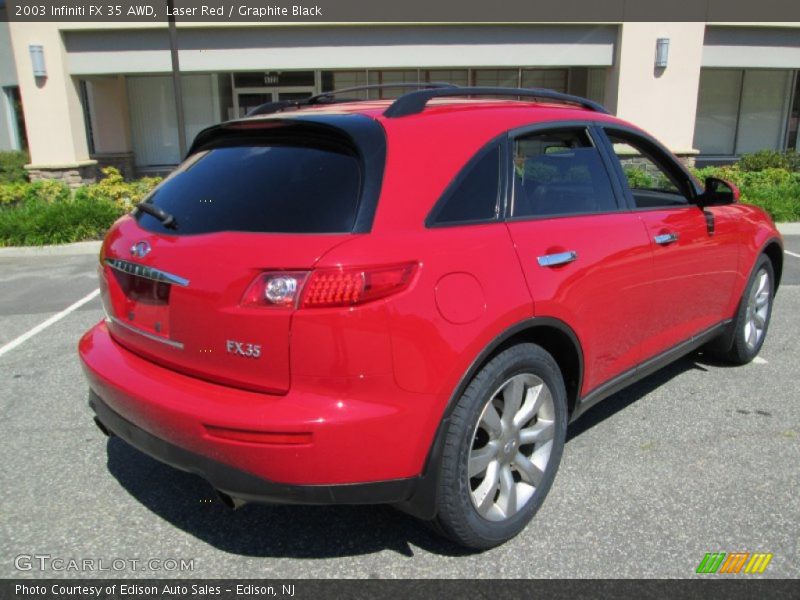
{"type": "Point", "coordinates": [665, 239]}
{"type": "Point", "coordinates": [560, 258]}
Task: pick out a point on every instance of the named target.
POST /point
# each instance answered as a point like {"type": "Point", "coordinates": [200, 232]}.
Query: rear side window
{"type": "Point", "coordinates": [560, 173]}
{"type": "Point", "coordinates": [474, 194]}
{"type": "Point", "coordinates": [272, 187]}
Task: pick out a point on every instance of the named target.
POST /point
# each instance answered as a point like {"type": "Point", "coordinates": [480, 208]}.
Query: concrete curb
{"type": "Point", "coordinates": [59, 250]}
{"type": "Point", "coordinates": [789, 228]}
{"type": "Point", "coordinates": [94, 247]}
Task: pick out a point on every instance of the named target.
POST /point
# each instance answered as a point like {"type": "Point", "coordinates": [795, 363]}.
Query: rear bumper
{"type": "Point", "coordinates": [364, 440]}
{"type": "Point", "coordinates": [243, 485]}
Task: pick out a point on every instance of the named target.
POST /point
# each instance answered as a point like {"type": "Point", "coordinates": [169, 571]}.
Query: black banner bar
{"type": "Point", "coordinates": [734, 588]}
{"type": "Point", "coordinates": [394, 11]}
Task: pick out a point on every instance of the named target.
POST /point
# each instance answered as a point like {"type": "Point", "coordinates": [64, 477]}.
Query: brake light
{"type": "Point", "coordinates": [329, 287]}
{"type": "Point", "coordinates": [351, 286]}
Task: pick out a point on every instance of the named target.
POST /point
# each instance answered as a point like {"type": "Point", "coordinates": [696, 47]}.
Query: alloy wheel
{"type": "Point", "coordinates": [511, 447]}
{"type": "Point", "coordinates": [757, 310]}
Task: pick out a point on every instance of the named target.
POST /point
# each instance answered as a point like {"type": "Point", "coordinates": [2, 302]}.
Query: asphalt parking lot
{"type": "Point", "coordinates": [697, 458]}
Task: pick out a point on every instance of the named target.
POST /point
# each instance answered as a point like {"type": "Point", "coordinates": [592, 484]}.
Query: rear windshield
{"type": "Point", "coordinates": [269, 187]}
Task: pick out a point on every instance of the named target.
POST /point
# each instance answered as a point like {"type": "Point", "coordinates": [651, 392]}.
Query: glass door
{"type": "Point", "coordinates": [248, 99]}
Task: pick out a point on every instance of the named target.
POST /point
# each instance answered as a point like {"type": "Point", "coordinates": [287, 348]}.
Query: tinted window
{"type": "Point", "coordinates": [559, 173]}
{"type": "Point", "coordinates": [653, 181]}
{"type": "Point", "coordinates": [473, 195]}
{"type": "Point", "coordinates": [275, 188]}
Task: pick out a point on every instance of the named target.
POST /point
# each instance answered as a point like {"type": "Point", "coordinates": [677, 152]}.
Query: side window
{"type": "Point", "coordinates": [652, 180]}
{"type": "Point", "coordinates": [559, 173]}
{"type": "Point", "coordinates": [474, 194]}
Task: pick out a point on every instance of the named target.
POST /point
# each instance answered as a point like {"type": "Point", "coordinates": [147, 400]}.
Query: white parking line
{"type": "Point", "coordinates": [45, 324]}
{"type": "Point", "coordinates": [795, 254]}
{"type": "Point", "coordinates": [759, 361]}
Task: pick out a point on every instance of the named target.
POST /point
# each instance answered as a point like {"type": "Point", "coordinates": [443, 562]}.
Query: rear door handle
{"type": "Point", "coordinates": [665, 239]}
{"type": "Point", "coordinates": [560, 258]}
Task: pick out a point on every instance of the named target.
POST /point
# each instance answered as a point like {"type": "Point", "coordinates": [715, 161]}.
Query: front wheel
{"type": "Point", "coordinates": [502, 448]}
{"type": "Point", "coordinates": [752, 318]}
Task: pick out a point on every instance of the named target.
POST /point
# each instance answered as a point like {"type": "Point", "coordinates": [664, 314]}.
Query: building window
{"type": "Point", "coordinates": [495, 77]}
{"type": "Point", "coordinates": [793, 135]}
{"type": "Point", "coordinates": [12, 120]}
{"type": "Point", "coordinates": [552, 79]}
{"type": "Point", "coordinates": [742, 110]}
{"type": "Point", "coordinates": [458, 77]}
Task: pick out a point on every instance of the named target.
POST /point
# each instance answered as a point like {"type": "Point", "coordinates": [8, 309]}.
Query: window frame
{"type": "Point", "coordinates": [654, 147]}
{"type": "Point", "coordinates": [595, 137]}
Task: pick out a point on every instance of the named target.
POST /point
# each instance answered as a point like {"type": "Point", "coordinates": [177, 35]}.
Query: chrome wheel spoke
{"type": "Point", "coordinates": [491, 420]}
{"type": "Point", "coordinates": [512, 399]}
{"type": "Point", "coordinates": [542, 431]}
{"type": "Point", "coordinates": [763, 281]}
{"type": "Point", "coordinates": [752, 337]}
{"type": "Point", "coordinates": [484, 494]}
{"type": "Point", "coordinates": [507, 499]}
{"type": "Point", "coordinates": [533, 400]}
{"type": "Point", "coordinates": [530, 473]}
{"type": "Point", "coordinates": [759, 321]}
{"type": "Point", "coordinates": [762, 299]}
{"type": "Point", "coordinates": [479, 459]}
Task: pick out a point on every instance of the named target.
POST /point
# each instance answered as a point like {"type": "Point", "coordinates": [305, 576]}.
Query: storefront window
{"type": "Point", "coordinates": [741, 111]}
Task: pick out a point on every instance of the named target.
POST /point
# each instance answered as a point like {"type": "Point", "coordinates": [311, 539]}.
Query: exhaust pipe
{"type": "Point", "coordinates": [106, 431]}
{"type": "Point", "coordinates": [230, 501]}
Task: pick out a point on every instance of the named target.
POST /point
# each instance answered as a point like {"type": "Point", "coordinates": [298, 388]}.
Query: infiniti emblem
{"type": "Point", "coordinates": [140, 249]}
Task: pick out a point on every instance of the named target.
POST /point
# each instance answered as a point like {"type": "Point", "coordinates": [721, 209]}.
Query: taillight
{"type": "Point", "coordinates": [279, 289]}
{"type": "Point", "coordinates": [350, 286]}
{"type": "Point", "coordinates": [328, 287]}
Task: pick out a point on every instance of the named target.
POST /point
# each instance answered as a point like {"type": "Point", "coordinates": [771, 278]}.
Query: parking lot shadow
{"type": "Point", "coordinates": [189, 503]}
{"type": "Point", "coordinates": [624, 398]}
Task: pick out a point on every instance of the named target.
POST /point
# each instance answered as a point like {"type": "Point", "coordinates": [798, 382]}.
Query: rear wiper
{"type": "Point", "coordinates": [167, 220]}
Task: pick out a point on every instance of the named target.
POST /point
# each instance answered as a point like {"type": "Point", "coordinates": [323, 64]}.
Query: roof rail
{"type": "Point", "coordinates": [414, 102]}
{"type": "Point", "coordinates": [330, 97]}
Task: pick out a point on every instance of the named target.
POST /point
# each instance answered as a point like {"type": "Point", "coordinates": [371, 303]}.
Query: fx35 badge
{"type": "Point", "coordinates": [243, 349]}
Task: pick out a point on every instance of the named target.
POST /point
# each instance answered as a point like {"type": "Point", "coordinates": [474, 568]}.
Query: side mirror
{"type": "Point", "coordinates": [718, 192]}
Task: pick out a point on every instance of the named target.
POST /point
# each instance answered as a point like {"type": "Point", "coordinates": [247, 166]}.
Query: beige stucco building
{"type": "Point", "coordinates": [106, 96]}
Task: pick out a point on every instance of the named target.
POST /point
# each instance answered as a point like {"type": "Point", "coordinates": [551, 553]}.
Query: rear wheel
{"type": "Point", "coordinates": [502, 448]}
{"type": "Point", "coordinates": [753, 315]}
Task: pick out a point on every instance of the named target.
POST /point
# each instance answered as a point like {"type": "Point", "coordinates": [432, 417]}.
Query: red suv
{"type": "Point", "coordinates": [406, 302]}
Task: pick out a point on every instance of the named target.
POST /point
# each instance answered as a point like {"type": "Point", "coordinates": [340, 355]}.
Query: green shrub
{"type": "Point", "coordinates": [775, 190]}
{"type": "Point", "coordinates": [11, 193]}
{"type": "Point", "coordinates": [124, 194]}
{"type": "Point", "coordinates": [12, 167]}
{"type": "Point", "coordinates": [638, 178]}
{"type": "Point", "coordinates": [36, 222]}
{"type": "Point", "coordinates": [770, 159]}
{"type": "Point", "coordinates": [47, 190]}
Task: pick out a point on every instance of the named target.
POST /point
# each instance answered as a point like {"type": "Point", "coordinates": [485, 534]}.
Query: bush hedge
{"type": "Point", "coordinates": [48, 212]}
{"type": "Point", "coordinates": [12, 167]}
{"type": "Point", "coordinates": [776, 190]}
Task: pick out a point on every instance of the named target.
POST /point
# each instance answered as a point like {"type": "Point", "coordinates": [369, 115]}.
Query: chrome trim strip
{"type": "Point", "coordinates": [147, 334]}
{"type": "Point", "coordinates": [560, 258]}
{"type": "Point", "coordinates": [132, 268]}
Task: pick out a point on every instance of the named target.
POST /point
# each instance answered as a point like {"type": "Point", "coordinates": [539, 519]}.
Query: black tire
{"type": "Point", "coordinates": [457, 514]}
{"type": "Point", "coordinates": [741, 352]}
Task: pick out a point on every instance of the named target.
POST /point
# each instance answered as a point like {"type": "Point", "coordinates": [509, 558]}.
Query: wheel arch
{"type": "Point", "coordinates": [774, 251]}
{"type": "Point", "coordinates": [556, 337]}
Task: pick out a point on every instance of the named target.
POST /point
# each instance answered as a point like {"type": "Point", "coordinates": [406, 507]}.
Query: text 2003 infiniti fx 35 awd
{"type": "Point", "coordinates": [406, 302]}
